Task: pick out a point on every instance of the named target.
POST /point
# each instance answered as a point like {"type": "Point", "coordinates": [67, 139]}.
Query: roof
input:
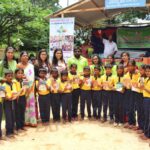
{"type": "Point", "coordinates": [86, 12]}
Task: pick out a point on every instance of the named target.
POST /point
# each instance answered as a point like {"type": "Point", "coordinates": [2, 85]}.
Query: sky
{"type": "Point", "coordinates": [63, 3]}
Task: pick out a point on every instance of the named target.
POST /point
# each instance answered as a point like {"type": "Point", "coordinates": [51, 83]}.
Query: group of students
{"type": "Point", "coordinates": [123, 94]}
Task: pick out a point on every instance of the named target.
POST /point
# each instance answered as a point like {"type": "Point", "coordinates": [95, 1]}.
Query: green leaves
{"type": "Point", "coordinates": [22, 23]}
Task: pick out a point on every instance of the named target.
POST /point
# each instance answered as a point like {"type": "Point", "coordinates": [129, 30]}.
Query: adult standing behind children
{"type": "Point", "coordinates": [8, 63]}
{"type": "Point", "coordinates": [79, 60]}
{"type": "Point", "coordinates": [58, 60]}
{"type": "Point", "coordinates": [42, 62]}
{"type": "Point", "coordinates": [30, 114]}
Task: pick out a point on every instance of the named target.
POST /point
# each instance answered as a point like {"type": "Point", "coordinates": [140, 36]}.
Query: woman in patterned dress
{"type": "Point", "coordinates": [30, 114]}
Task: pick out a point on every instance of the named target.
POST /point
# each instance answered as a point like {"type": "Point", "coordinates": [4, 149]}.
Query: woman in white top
{"type": "Point", "coordinates": [30, 114]}
{"type": "Point", "coordinates": [58, 60]}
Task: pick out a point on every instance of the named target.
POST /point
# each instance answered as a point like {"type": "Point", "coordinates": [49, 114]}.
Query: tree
{"type": "Point", "coordinates": [22, 22]}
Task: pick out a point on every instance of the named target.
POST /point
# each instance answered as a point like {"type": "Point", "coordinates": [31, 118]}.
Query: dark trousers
{"type": "Point", "coordinates": [140, 110]}
{"type": "Point", "coordinates": [118, 107]}
{"type": "Point", "coordinates": [66, 99]}
{"type": "Point", "coordinates": [75, 101]}
{"type": "Point", "coordinates": [20, 107]}
{"type": "Point", "coordinates": [44, 105]}
{"type": "Point", "coordinates": [1, 113]}
{"type": "Point", "coordinates": [147, 117]}
{"type": "Point", "coordinates": [55, 103]}
{"type": "Point", "coordinates": [127, 97]}
{"type": "Point", "coordinates": [132, 108]}
{"type": "Point", "coordinates": [97, 104]}
{"type": "Point", "coordinates": [9, 110]}
{"type": "Point", "coordinates": [108, 101]}
{"type": "Point", "coordinates": [86, 96]}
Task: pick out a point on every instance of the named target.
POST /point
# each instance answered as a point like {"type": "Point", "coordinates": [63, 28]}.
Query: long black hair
{"type": "Point", "coordinates": [113, 57]}
{"type": "Point", "coordinates": [99, 59]}
{"type": "Point", "coordinates": [122, 56]}
{"type": "Point", "coordinates": [5, 61]}
{"type": "Point", "coordinates": [39, 58]}
{"type": "Point", "coordinates": [55, 61]}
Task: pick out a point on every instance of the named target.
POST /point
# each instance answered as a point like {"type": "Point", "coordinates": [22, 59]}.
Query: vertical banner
{"type": "Point", "coordinates": [62, 36]}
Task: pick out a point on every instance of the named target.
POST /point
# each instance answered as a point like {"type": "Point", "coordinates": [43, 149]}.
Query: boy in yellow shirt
{"type": "Point", "coordinates": [97, 93]}
{"type": "Point", "coordinates": [21, 101]}
{"type": "Point", "coordinates": [9, 105]}
{"type": "Point", "coordinates": [43, 89]}
{"type": "Point", "coordinates": [86, 95]}
{"type": "Point", "coordinates": [55, 95]}
{"type": "Point", "coordinates": [119, 96]}
{"type": "Point", "coordinates": [76, 90]}
{"type": "Point", "coordinates": [146, 95]}
{"type": "Point", "coordinates": [66, 96]}
{"type": "Point", "coordinates": [131, 82]}
{"type": "Point", "coordinates": [108, 84]}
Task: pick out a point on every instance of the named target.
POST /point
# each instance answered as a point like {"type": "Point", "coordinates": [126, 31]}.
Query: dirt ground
{"type": "Point", "coordinates": [79, 135]}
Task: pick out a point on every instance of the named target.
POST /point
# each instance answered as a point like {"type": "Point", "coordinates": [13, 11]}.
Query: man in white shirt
{"type": "Point", "coordinates": [110, 47]}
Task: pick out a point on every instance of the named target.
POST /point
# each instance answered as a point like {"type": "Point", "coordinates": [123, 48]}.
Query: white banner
{"type": "Point", "coordinates": [62, 36]}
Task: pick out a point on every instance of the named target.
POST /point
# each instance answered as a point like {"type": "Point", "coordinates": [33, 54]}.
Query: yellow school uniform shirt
{"type": "Point", "coordinates": [42, 88]}
{"type": "Point", "coordinates": [75, 80]}
{"type": "Point", "coordinates": [107, 81]}
{"type": "Point", "coordinates": [19, 87]}
{"type": "Point", "coordinates": [140, 81]}
{"type": "Point", "coordinates": [118, 83]}
{"type": "Point", "coordinates": [96, 82]}
{"type": "Point", "coordinates": [66, 84]}
{"type": "Point", "coordinates": [147, 86]}
{"type": "Point", "coordinates": [10, 89]}
{"type": "Point", "coordinates": [55, 85]}
{"type": "Point", "coordinates": [131, 79]}
{"type": "Point", "coordinates": [87, 84]}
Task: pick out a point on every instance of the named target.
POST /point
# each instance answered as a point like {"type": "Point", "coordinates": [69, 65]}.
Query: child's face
{"type": "Point", "coordinates": [86, 72]}
{"type": "Point", "coordinates": [95, 60]}
{"type": "Point", "coordinates": [64, 77]}
{"type": "Point", "coordinates": [108, 71]}
{"type": "Point", "coordinates": [131, 68]}
{"type": "Point", "coordinates": [42, 74]}
{"type": "Point", "coordinates": [142, 71]}
{"type": "Point", "coordinates": [148, 73]}
{"type": "Point", "coordinates": [19, 74]}
{"type": "Point", "coordinates": [54, 74]}
{"type": "Point", "coordinates": [9, 77]}
{"type": "Point", "coordinates": [119, 71]}
{"type": "Point", "coordinates": [73, 69]}
{"type": "Point", "coordinates": [96, 72]}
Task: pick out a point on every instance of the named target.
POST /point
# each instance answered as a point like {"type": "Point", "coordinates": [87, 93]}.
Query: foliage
{"type": "Point", "coordinates": [22, 23]}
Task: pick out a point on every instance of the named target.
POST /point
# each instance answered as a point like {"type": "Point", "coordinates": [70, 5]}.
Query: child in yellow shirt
{"type": "Point", "coordinates": [146, 95]}
{"type": "Point", "coordinates": [43, 89]}
{"type": "Point", "coordinates": [55, 95]}
{"type": "Point", "coordinates": [119, 96]}
{"type": "Point", "coordinates": [21, 101]}
{"type": "Point", "coordinates": [97, 93]}
{"type": "Point", "coordinates": [1, 114]}
{"type": "Point", "coordinates": [86, 95]}
{"type": "Point", "coordinates": [66, 96]}
{"type": "Point", "coordinates": [76, 90]}
{"type": "Point", "coordinates": [108, 84]}
{"type": "Point", "coordinates": [9, 105]}
{"type": "Point", "coordinates": [131, 81]}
